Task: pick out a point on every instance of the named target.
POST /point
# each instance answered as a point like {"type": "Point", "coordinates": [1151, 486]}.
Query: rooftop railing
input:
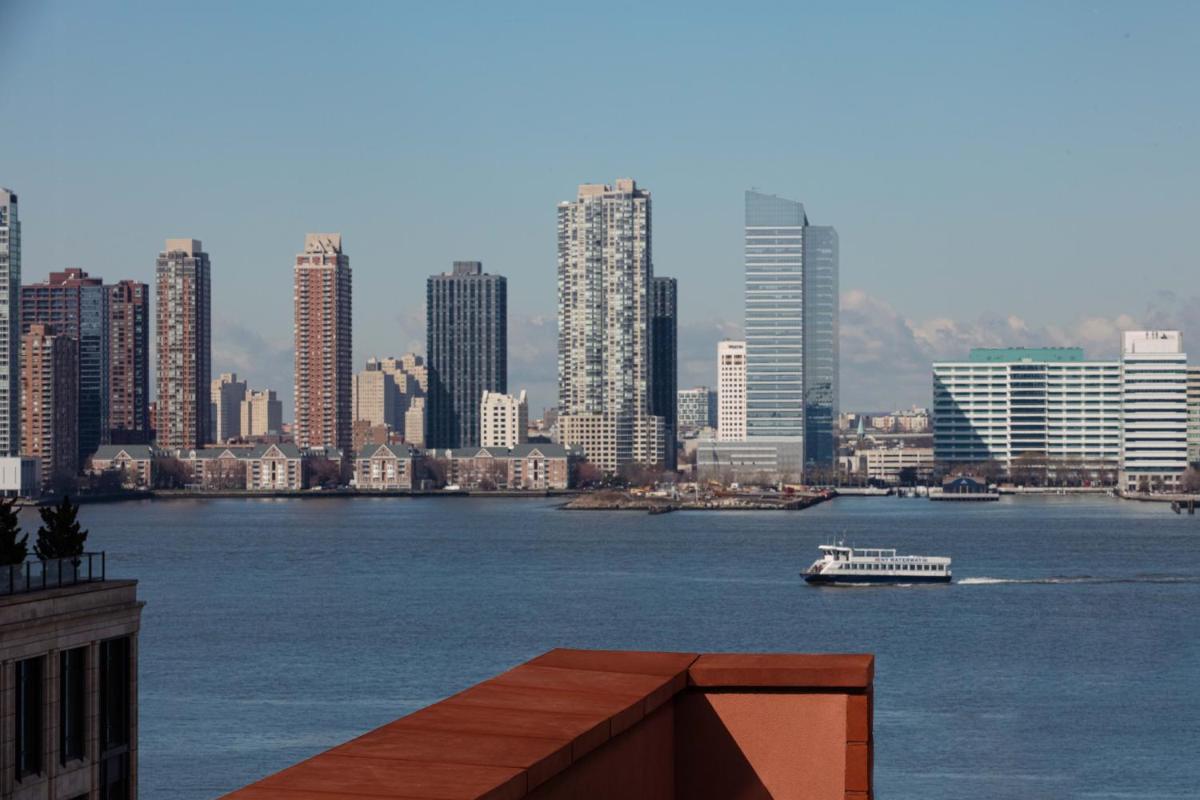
{"type": "Point", "coordinates": [35, 575]}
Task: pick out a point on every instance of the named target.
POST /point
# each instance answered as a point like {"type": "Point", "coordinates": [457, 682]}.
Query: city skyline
{"type": "Point", "coordinates": [413, 202]}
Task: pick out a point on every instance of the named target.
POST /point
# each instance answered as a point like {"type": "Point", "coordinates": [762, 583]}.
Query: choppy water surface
{"type": "Point", "coordinates": [1064, 661]}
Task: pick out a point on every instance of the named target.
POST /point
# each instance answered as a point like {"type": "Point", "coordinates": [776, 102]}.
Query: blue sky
{"type": "Point", "coordinates": [1001, 173]}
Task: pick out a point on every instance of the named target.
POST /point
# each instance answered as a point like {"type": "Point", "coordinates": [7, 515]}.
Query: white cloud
{"type": "Point", "coordinates": [885, 356]}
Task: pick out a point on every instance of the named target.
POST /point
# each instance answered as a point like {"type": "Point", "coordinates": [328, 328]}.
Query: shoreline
{"type": "Point", "coordinates": [595, 500]}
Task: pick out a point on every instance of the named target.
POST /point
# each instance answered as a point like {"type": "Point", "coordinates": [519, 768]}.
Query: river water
{"type": "Point", "coordinates": [1064, 661]}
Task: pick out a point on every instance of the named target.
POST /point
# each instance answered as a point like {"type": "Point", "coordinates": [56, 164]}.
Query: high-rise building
{"type": "Point", "coordinates": [604, 362]}
{"type": "Point", "coordinates": [731, 391]}
{"type": "Point", "coordinates": [1042, 407]}
{"type": "Point", "coordinates": [1193, 395]}
{"type": "Point", "coordinates": [227, 395]}
{"type": "Point", "coordinates": [128, 363]}
{"type": "Point", "coordinates": [1154, 418]}
{"type": "Point", "coordinates": [467, 347]}
{"type": "Point", "coordinates": [821, 362]}
{"type": "Point", "coordinates": [50, 403]}
{"type": "Point", "coordinates": [411, 377]}
{"type": "Point", "coordinates": [664, 360]}
{"type": "Point", "coordinates": [10, 325]}
{"type": "Point", "coordinates": [184, 336]}
{"type": "Point", "coordinates": [775, 230]}
{"type": "Point", "coordinates": [375, 395]}
{"type": "Point", "coordinates": [76, 305]}
{"type": "Point", "coordinates": [261, 414]}
{"type": "Point", "coordinates": [503, 420]}
{"type": "Point", "coordinates": [696, 409]}
{"type": "Point", "coordinates": [324, 348]}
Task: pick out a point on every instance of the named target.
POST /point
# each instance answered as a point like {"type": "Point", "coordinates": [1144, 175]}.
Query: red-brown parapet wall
{"type": "Point", "coordinates": [592, 724]}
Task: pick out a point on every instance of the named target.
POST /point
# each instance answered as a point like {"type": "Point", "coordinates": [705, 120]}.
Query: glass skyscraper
{"type": "Point", "coordinates": [791, 332]}
{"type": "Point", "coordinates": [820, 344]}
{"type": "Point", "coordinates": [774, 317]}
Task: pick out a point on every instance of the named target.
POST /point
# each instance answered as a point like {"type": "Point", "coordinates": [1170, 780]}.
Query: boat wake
{"type": "Point", "coordinates": [1070, 579]}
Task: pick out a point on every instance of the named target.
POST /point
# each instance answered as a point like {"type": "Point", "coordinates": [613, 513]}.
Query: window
{"type": "Point", "coordinates": [114, 718]}
{"type": "Point", "coordinates": [114, 693]}
{"type": "Point", "coordinates": [72, 715]}
{"type": "Point", "coordinates": [28, 714]}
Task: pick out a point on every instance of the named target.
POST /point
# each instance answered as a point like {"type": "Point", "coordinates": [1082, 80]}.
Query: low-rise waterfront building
{"type": "Point", "coordinates": [538, 466]}
{"type": "Point", "coordinates": [135, 462]}
{"type": "Point", "coordinates": [892, 464]}
{"type": "Point", "coordinates": [68, 681]}
{"type": "Point", "coordinates": [263, 467]}
{"type": "Point", "coordinates": [216, 468]}
{"type": "Point", "coordinates": [1040, 405]}
{"type": "Point", "coordinates": [385, 467]}
{"type": "Point", "coordinates": [274, 467]}
{"type": "Point", "coordinates": [756, 460]}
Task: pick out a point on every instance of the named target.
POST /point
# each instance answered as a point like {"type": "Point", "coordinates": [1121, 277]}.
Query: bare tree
{"type": "Point", "coordinates": [229, 474]}
{"type": "Point", "coordinates": [585, 474]}
{"type": "Point", "coordinates": [436, 470]}
{"type": "Point", "coordinates": [324, 472]}
{"type": "Point", "coordinates": [170, 473]}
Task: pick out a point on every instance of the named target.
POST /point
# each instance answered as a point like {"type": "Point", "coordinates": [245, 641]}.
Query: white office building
{"type": "Point", "coordinates": [1193, 395]}
{"type": "Point", "coordinates": [731, 391]}
{"type": "Point", "coordinates": [1039, 406]}
{"type": "Point", "coordinates": [503, 420]}
{"type": "Point", "coordinates": [1154, 451]}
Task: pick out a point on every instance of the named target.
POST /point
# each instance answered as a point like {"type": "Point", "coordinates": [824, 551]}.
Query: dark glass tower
{"type": "Point", "coordinates": [466, 316]}
{"type": "Point", "coordinates": [664, 350]}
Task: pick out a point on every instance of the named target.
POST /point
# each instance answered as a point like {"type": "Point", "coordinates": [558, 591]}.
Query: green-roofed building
{"type": "Point", "coordinates": [1035, 412]}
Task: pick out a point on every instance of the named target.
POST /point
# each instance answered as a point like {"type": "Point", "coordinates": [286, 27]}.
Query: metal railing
{"type": "Point", "coordinates": [35, 575]}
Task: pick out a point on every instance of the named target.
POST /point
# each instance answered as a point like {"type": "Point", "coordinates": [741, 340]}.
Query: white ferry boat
{"type": "Point", "coordinates": [848, 565]}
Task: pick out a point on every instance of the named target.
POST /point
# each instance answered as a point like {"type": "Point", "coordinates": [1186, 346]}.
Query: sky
{"type": "Point", "coordinates": [999, 173]}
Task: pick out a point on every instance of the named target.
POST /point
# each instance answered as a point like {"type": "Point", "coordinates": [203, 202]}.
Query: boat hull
{"type": "Point", "coordinates": [854, 580]}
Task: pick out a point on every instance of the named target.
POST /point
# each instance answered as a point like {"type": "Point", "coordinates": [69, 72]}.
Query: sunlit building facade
{"type": "Point", "coordinates": [1154, 418]}
{"type": "Point", "coordinates": [184, 334]}
{"type": "Point", "coordinates": [605, 369]}
{"type": "Point", "coordinates": [324, 344]}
